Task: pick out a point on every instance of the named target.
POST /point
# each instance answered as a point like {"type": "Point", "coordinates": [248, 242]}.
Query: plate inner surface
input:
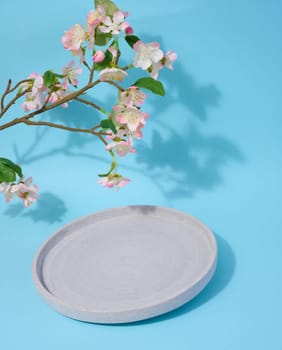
{"type": "Point", "coordinates": [127, 261]}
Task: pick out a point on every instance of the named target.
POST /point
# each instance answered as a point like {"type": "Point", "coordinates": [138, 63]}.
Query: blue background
{"type": "Point", "coordinates": [212, 148]}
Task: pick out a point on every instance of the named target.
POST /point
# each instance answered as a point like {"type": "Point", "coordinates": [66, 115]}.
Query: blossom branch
{"type": "Point", "coordinates": [44, 92]}
{"type": "Point", "coordinates": [44, 108]}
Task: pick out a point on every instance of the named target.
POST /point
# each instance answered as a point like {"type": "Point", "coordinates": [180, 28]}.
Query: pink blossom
{"type": "Point", "coordinates": [112, 74]}
{"type": "Point", "coordinates": [34, 98]}
{"type": "Point", "coordinates": [113, 51]}
{"type": "Point", "coordinates": [32, 102]}
{"type": "Point", "coordinates": [170, 57]}
{"type": "Point", "coordinates": [73, 38]}
{"type": "Point", "coordinates": [27, 191]}
{"type": "Point", "coordinates": [133, 96]}
{"type": "Point", "coordinates": [113, 180]}
{"type": "Point", "coordinates": [124, 133]}
{"type": "Point", "coordinates": [57, 95]}
{"type": "Point", "coordinates": [70, 75]}
{"type": "Point", "coordinates": [167, 61]}
{"type": "Point", "coordinates": [99, 56]}
{"type": "Point", "coordinates": [154, 69]}
{"type": "Point", "coordinates": [146, 54]}
{"type": "Point", "coordinates": [122, 148]}
{"type": "Point", "coordinates": [115, 24]}
{"type": "Point", "coordinates": [7, 189]}
{"type": "Point", "coordinates": [130, 116]}
{"type": "Point", "coordinates": [94, 18]}
{"type": "Point", "coordinates": [137, 134]}
{"type": "Point", "coordinates": [37, 85]}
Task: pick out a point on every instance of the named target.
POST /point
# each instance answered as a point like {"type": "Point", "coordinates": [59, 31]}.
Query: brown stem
{"type": "Point", "coordinates": [19, 83]}
{"type": "Point", "coordinates": [91, 104]}
{"type": "Point", "coordinates": [47, 99]}
{"type": "Point", "coordinates": [8, 91]}
{"type": "Point", "coordinates": [5, 93]}
{"type": "Point", "coordinates": [91, 74]}
{"type": "Point", "coordinates": [61, 126]}
{"type": "Point", "coordinates": [101, 138]}
{"type": "Point", "coordinates": [87, 66]}
{"type": "Point", "coordinates": [96, 127]}
{"type": "Point", "coordinates": [115, 84]}
{"type": "Point", "coordinates": [13, 101]}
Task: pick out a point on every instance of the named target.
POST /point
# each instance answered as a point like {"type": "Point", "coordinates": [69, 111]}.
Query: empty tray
{"type": "Point", "coordinates": [125, 264]}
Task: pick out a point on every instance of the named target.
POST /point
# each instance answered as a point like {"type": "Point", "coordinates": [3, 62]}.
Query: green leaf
{"type": "Point", "coordinates": [151, 84]}
{"type": "Point", "coordinates": [6, 173]}
{"type": "Point", "coordinates": [131, 40]}
{"type": "Point", "coordinates": [104, 64]}
{"type": "Point", "coordinates": [108, 124]}
{"type": "Point", "coordinates": [109, 6]}
{"type": "Point", "coordinates": [101, 39]}
{"type": "Point", "coordinates": [12, 165]}
{"type": "Point", "coordinates": [49, 78]}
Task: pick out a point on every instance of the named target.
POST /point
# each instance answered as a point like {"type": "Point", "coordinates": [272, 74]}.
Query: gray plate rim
{"type": "Point", "coordinates": [67, 309]}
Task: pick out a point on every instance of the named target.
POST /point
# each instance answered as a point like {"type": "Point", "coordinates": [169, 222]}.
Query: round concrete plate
{"type": "Point", "coordinates": [125, 264]}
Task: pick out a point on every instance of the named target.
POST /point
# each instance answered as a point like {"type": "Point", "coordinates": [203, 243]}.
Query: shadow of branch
{"type": "Point", "coordinates": [180, 161]}
{"type": "Point", "coordinates": [49, 209]}
{"type": "Point", "coordinates": [182, 165]}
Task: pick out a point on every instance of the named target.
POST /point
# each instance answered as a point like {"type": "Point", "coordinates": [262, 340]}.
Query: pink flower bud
{"type": "Point", "coordinates": [99, 56]}
{"type": "Point", "coordinates": [128, 29]}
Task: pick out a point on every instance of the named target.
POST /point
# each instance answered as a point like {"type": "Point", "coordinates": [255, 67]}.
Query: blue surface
{"type": "Point", "coordinates": [212, 148]}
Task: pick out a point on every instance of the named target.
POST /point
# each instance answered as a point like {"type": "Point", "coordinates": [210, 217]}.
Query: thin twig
{"type": "Point", "coordinates": [102, 139]}
{"type": "Point", "coordinates": [96, 127]}
{"type": "Point", "coordinates": [19, 83]}
{"type": "Point", "coordinates": [8, 91]}
{"type": "Point", "coordinates": [5, 93]}
{"type": "Point", "coordinates": [47, 99]}
{"type": "Point", "coordinates": [91, 73]}
{"type": "Point", "coordinates": [115, 84]}
{"type": "Point", "coordinates": [92, 104]}
{"type": "Point", "coordinates": [61, 126]}
{"type": "Point", "coordinates": [13, 101]}
{"type": "Point", "coordinates": [87, 66]}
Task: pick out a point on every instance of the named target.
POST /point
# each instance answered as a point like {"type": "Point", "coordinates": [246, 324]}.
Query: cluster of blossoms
{"type": "Point", "coordinates": [128, 121]}
{"type": "Point", "coordinates": [104, 27]}
{"type": "Point", "coordinates": [38, 94]}
{"type": "Point", "coordinates": [24, 189]}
